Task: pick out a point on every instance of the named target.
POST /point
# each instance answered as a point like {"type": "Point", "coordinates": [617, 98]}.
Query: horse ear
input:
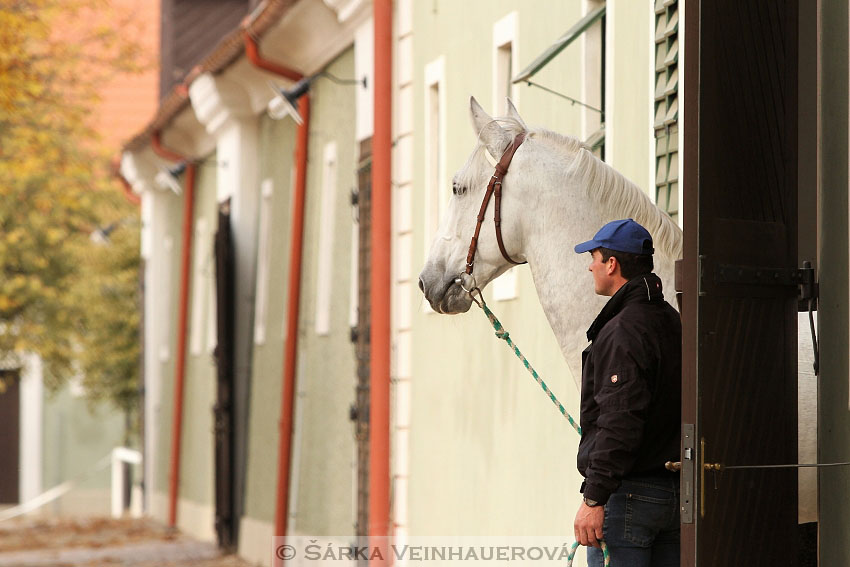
{"type": "Point", "coordinates": [494, 137]}
{"type": "Point", "coordinates": [512, 112]}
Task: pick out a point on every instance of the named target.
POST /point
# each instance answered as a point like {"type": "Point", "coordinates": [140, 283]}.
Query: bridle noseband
{"type": "Point", "coordinates": [495, 186]}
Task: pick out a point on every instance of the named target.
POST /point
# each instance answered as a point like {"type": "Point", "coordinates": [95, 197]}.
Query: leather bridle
{"type": "Point", "coordinates": [494, 187]}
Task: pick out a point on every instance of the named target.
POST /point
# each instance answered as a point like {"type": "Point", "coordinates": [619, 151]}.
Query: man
{"type": "Point", "coordinates": [630, 407]}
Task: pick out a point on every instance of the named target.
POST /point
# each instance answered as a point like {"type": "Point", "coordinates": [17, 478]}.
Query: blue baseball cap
{"type": "Point", "coordinates": [621, 235]}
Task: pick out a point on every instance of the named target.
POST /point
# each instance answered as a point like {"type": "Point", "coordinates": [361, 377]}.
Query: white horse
{"type": "Point", "coordinates": [556, 194]}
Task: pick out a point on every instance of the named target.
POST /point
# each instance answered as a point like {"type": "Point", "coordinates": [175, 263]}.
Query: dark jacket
{"type": "Point", "coordinates": [631, 388]}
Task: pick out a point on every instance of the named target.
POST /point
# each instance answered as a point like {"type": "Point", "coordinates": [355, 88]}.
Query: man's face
{"type": "Point", "coordinates": [602, 272]}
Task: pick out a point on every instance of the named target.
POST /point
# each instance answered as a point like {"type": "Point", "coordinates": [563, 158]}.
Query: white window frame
{"type": "Point", "coordinates": [505, 37]}
{"type": "Point", "coordinates": [200, 287]}
{"type": "Point", "coordinates": [435, 148]}
{"type": "Point", "coordinates": [505, 65]}
{"type": "Point", "coordinates": [327, 230]}
{"type": "Point", "coordinates": [591, 72]}
{"type": "Point", "coordinates": [261, 304]}
{"type": "Point", "coordinates": [165, 292]}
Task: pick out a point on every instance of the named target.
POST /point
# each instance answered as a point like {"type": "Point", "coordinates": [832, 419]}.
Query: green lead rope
{"type": "Point", "coordinates": [606, 558]}
{"type": "Point", "coordinates": [505, 336]}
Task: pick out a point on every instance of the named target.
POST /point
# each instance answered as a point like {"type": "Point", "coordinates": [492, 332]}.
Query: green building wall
{"type": "Point", "coordinates": [172, 218]}
{"type": "Point", "coordinates": [481, 431]}
{"type": "Point", "coordinates": [326, 370]}
{"type": "Point", "coordinates": [197, 465]}
{"type": "Point", "coordinates": [277, 143]}
{"type": "Point", "coordinates": [77, 434]}
{"type": "Point", "coordinates": [323, 442]}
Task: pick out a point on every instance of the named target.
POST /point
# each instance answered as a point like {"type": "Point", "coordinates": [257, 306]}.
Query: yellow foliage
{"type": "Point", "coordinates": [54, 192]}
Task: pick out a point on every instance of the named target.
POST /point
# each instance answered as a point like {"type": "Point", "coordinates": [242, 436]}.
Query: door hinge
{"type": "Point", "coordinates": [758, 275]}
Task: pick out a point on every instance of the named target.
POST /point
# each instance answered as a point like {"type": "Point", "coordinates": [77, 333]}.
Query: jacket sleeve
{"type": "Point", "coordinates": [623, 397]}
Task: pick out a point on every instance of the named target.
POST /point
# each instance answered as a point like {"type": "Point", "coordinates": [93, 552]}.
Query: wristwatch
{"type": "Point", "coordinates": [590, 503]}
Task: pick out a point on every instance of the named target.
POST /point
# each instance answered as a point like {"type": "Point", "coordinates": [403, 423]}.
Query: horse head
{"type": "Point", "coordinates": [443, 278]}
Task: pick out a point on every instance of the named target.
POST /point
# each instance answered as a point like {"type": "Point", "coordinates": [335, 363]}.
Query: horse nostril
{"type": "Point", "coordinates": [421, 286]}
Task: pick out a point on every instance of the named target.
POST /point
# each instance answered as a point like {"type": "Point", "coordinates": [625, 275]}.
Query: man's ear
{"type": "Point", "coordinates": [613, 266]}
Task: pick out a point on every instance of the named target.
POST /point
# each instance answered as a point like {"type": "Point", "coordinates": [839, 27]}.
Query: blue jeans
{"type": "Point", "coordinates": [641, 525]}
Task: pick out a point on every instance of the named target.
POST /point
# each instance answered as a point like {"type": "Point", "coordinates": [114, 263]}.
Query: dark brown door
{"type": "Point", "coordinates": [739, 302]}
{"type": "Point", "coordinates": [225, 522]}
{"type": "Point", "coordinates": [10, 436]}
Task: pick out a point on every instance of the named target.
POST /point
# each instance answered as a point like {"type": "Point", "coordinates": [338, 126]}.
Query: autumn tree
{"type": "Point", "coordinates": [63, 296]}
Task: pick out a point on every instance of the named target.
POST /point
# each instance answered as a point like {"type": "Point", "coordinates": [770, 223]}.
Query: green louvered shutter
{"type": "Point", "coordinates": [667, 106]}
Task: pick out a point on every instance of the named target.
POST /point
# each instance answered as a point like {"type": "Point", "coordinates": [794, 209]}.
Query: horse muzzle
{"type": "Point", "coordinates": [445, 296]}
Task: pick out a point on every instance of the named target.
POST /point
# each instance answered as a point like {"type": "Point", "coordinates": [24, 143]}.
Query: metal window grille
{"type": "Point", "coordinates": [667, 106]}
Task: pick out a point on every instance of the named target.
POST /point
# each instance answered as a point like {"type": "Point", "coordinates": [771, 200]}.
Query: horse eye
{"type": "Point", "coordinates": [458, 189]}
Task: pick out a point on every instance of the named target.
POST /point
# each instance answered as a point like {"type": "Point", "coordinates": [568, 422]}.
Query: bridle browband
{"type": "Point", "coordinates": [495, 186]}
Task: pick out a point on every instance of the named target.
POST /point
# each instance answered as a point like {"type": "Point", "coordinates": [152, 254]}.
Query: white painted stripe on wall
{"type": "Point", "coordinates": [164, 322]}
{"type": "Point", "coordinates": [202, 255]}
{"type": "Point", "coordinates": [291, 204]}
{"type": "Point", "coordinates": [403, 241]}
{"type": "Point", "coordinates": [263, 259]}
{"type": "Point", "coordinates": [610, 81]}
{"type": "Point", "coordinates": [327, 231]}
{"type": "Point", "coordinates": [31, 414]}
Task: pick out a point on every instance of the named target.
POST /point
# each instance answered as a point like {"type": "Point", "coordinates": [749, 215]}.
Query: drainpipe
{"type": "Point", "coordinates": [182, 319]}
{"type": "Point", "coordinates": [252, 51]}
{"type": "Point", "coordinates": [379, 349]}
{"type": "Point", "coordinates": [284, 458]}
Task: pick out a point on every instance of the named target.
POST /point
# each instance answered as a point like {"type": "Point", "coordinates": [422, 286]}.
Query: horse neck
{"type": "Point", "coordinates": [563, 283]}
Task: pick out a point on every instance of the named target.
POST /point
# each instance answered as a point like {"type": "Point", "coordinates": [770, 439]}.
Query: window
{"type": "Point", "coordinates": [436, 191]}
{"type": "Point", "coordinates": [666, 125]}
{"type": "Point", "coordinates": [593, 71]}
{"type": "Point", "coordinates": [504, 64]}
{"type": "Point", "coordinates": [591, 28]}
{"type": "Point", "coordinates": [327, 224]}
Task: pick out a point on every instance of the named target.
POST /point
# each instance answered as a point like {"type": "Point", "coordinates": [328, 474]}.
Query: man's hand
{"type": "Point", "coordinates": [588, 524]}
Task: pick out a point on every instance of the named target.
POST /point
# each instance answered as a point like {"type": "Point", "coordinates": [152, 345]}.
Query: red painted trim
{"type": "Point", "coordinates": [379, 350]}
{"type": "Point", "coordinates": [287, 404]}
{"type": "Point", "coordinates": [182, 323]}
{"type": "Point", "coordinates": [290, 357]}
{"type": "Point", "coordinates": [162, 151]}
{"type": "Point", "coordinates": [252, 51]}
{"type": "Point", "coordinates": [125, 185]}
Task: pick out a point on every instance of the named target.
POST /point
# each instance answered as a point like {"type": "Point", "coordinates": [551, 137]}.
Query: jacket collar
{"type": "Point", "coordinates": [639, 289]}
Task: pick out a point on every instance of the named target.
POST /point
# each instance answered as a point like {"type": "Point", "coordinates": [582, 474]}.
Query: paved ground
{"type": "Point", "coordinates": [100, 542]}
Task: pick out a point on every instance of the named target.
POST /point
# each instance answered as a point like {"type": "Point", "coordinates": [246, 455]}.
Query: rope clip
{"type": "Point", "coordinates": [472, 289]}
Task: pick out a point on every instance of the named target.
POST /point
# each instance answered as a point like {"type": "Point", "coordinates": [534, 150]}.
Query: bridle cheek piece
{"type": "Point", "coordinates": [494, 187]}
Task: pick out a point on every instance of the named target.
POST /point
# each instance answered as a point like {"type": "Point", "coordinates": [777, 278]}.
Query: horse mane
{"type": "Point", "coordinates": [605, 186]}
{"type": "Point", "coordinates": [615, 194]}
{"type": "Point", "coordinates": [621, 198]}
